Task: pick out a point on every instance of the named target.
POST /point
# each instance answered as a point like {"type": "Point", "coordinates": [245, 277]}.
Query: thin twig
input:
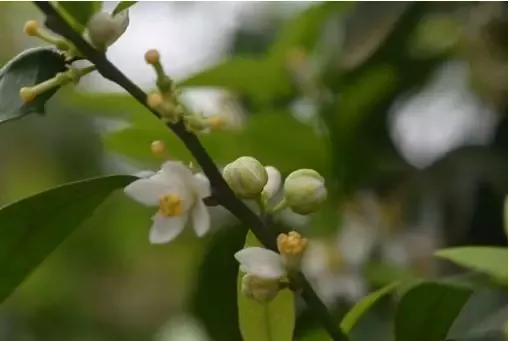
{"type": "Point", "coordinates": [222, 193]}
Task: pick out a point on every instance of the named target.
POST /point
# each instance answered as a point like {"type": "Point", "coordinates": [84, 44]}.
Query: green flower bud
{"type": "Point", "coordinates": [246, 176]}
{"type": "Point", "coordinates": [103, 29]}
{"type": "Point", "coordinates": [305, 191]}
{"type": "Point", "coordinates": [262, 290]}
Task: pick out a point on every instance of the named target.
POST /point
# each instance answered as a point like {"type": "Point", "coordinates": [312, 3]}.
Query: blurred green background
{"type": "Point", "coordinates": [402, 106]}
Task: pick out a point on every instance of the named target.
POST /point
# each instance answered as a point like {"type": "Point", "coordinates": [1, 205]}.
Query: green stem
{"type": "Point", "coordinates": [268, 327]}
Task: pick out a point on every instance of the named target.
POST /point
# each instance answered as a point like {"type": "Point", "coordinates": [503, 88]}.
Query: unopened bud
{"type": "Point", "coordinates": [152, 57]}
{"type": "Point", "coordinates": [292, 246]}
{"type": "Point", "coordinates": [246, 177]}
{"type": "Point", "coordinates": [31, 28]}
{"type": "Point", "coordinates": [305, 191]}
{"type": "Point", "coordinates": [155, 100]}
{"type": "Point", "coordinates": [158, 149]}
{"type": "Point", "coordinates": [27, 94]}
{"type": "Point", "coordinates": [262, 290]}
{"type": "Point", "coordinates": [103, 29]}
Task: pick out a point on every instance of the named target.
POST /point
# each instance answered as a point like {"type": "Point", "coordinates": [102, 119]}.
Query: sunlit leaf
{"type": "Point", "coordinates": [363, 306]}
{"type": "Point", "coordinates": [215, 299]}
{"type": "Point", "coordinates": [32, 228]}
{"type": "Point", "coordinates": [269, 322]}
{"type": "Point", "coordinates": [123, 5]}
{"type": "Point", "coordinates": [488, 260]}
{"type": "Point", "coordinates": [30, 67]}
{"type": "Point", "coordinates": [77, 13]}
{"type": "Point", "coordinates": [427, 311]}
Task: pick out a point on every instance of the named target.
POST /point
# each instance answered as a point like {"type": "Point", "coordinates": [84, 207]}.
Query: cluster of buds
{"type": "Point", "coordinates": [267, 272]}
{"type": "Point", "coordinates": [304, 190]}
{"type": "Point", "coordinates": [166, 102]}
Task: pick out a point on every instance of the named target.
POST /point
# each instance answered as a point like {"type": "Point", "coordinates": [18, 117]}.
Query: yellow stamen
{"type": "Point", "coordinates": [216, 121]}
{"type": "Point", "coordinates": [170, 205]}
{"type": "Point", "coordinates": [292, 244]}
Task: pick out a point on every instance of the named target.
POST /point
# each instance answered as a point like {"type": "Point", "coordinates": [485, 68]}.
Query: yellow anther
{"type": "Point", "coordinates": [158, 149]}
{"type": "Point", "coordinates": [216, 121]}
{"type": "Point", "coordinates": [292, 244]}
{"type": "Point", "coordinates": [170, 205]}
{"type": "Point", "coordinates": [152, 57]}
{"type": "Point", "coordinates": [155, 100]}
{"type": "Point", "coordinates": [27, 94]}
{"type": "Point", "coordinates": [31, 28]}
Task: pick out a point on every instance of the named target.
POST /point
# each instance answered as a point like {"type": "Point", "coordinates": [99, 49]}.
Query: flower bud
{"type": "Point", "coordinates": [27, 94]}
{"type": "Point", "coordinates": [155, 100]}
{"type": "Point", "coordinates": [262, 290]}
{"type": "Point", "coordinates": [292, 246]}
{"type": "Point", "coordinates": [158, 149]}
{"type": "Point", "coordinates": [31, 28]}
{"type": "Point", "coordinates": [152, 57]}
{"type": "Point", "coordinates": [273, 182]}
{"type": "Point", "coordinates": [305, 191]}
{"type": "Point", "coordinates": [103, 29]}
{"type": "Point", "coordinates": [246, 177]}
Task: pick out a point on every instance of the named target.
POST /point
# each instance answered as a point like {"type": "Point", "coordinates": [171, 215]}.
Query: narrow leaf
{"type": "Point", "coordinates": [29, 68]}
{"type": "Point", "coordinates": [216, 285]}
{"type": "Point", "coordinates": [363, 306]}
{"type": "Point", "coordinates": [265, 322]}
{"type": "Point", "coordinates": [427, 311]}
{"type": "Point", "coordinates": [123, 5]}
{"type": "Point", "coordinates": [77, 13]}
{"type": "Point", "coordinates": [488, 260]}
{"type": "Point", "coordinates": [32, 228]}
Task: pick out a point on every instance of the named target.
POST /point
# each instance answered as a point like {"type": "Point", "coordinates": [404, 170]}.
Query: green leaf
{"type": "Point", "coordinates": [304, 29]}
{"type": "Point", "coordinates": [123, 5]}
{"type": "Point", "coordinates": [77, 13]}
{"type": "Point", "coordinates": [363, 306]}
{"type": "Point", "coordinates": [32, 228]}
{"type": "Point", "coordinates": [427, 311]}
{"type": "Point", "coordinates": [216, 285]}
{"type": "Point", "coordinates": [488, 260]}
{"type": "Point", "coordinates": [261, 130]}
{"type": "Point", "coordinates": [29, 68]}
{"type": "Point", "coordinates": [255, 78]}
{"type": "Point", "coordinates": [270, 322]}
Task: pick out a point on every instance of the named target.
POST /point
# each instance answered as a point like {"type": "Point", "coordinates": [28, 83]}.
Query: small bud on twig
{"type": "Point", "coordinates": [31, 28]}
{"type": "Point", "coordinates": [152, 57]}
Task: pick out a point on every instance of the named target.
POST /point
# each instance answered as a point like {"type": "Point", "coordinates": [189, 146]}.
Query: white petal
{"type": "Point", "coordinates": [260, 262]}
{"type": "Point", "coordinates": [165, 229]}
{"type": "Point", "coordinates": [201, 218]}
{"type": "Point", "coordinates": [172, 170]}
{"type": "Point", "coordinates": [202, 185]}
{"type": "Point", "coordinates": [145, 191]}
{"type": "Point", "coordinates": [145, 174]}
{"type": "Point", "coordinates": [274, 181]}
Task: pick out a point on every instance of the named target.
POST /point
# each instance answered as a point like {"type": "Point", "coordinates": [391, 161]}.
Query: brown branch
{"type": "Point", "coordinates": [220, 190]}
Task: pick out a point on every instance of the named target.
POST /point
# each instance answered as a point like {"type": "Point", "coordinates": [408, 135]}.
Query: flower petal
{"type": "Point", "coordinates": [145, 191]}
{"type": "Point", "coordinates": [176, 169]}
{"type": "Point", "coordinates": [274, 181]}
{"type": "Point", "coordinates": [202, 185]}
{"type": "Point", "coordinates": [201, 218]}
{"type": "Point", "coordinates": [260, 262]}
{"type": "Point", "coordinates": [165, 229]}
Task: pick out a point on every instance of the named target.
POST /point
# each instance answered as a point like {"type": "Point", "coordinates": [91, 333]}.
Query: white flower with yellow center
{"type": "Point", "coordinates": [265, 268]}
{"type": "Point", "coordinates": [178, 193]}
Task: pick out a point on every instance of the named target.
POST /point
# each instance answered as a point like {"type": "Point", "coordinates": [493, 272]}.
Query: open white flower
{"type": "Point", "coordinates": [260, 262]}
{"type": "Point", "coordinates": [178, 193]}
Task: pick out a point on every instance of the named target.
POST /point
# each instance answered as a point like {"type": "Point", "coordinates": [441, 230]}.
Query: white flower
{"type": "Point", "coordinates": [264, 269]}
{"type": "Point", "coordinates": [260, 262]}
{"type": "Point", "coordinates": [273, 182]}
{"type": "Point", "coordinates": [177, 193]}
